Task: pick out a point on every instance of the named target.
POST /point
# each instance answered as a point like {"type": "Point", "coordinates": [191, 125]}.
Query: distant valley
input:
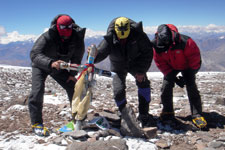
{"type": "Point", "coordinates": [212, 50]}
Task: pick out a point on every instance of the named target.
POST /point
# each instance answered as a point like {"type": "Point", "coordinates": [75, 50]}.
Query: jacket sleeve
{"type": "Point", "coordinates": [163, 66]}
{"type": "Point", "coordinates": [38, 56]}
{"type": "Point", "coordinates": [192, 54]}
{"type": "Point", "coordinates": [103, 51]}
{"type": "Point", "coordinates": [144, 60]}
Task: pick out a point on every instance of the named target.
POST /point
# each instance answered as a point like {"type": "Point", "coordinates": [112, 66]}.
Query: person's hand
{"type": "Point", "coordinates": [180, 81]}
{"type": "Point", "coordinates": [88, 49]}
{"type": "Point", "coordinates": [71, 78]}
{"type": "Point", "coordinates": [140, 77]}
{"type": "Point", "coordinates": [171, 75]}
{"type": "Point", "coordinates": [56, 64]}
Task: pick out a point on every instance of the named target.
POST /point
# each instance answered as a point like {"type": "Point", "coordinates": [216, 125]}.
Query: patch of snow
{"type": "Point", "coordinates": [18, 107]}
{"type": "Point", "coordinates": [139, 144]}
{"type": "Point", "coordinates": [21, 142]}
{"type": "Point", "coordinates": [52, 99]}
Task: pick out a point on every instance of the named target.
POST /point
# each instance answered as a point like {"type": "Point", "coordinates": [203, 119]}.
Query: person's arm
{"type": "Point", "coordinates": [38, 56]}
{"type": "Point", "coordinates": [103, 50]}
{"type": "Point", "coordinates": [163, 66]}
{"type": "Point", "coordinates": [192, 54]}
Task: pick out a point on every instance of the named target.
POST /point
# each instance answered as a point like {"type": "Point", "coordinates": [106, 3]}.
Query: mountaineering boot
{"type": "Point", "coordinates": [199, 121]}
{"type": "Point", "coordinates": [130, 123]}
{"type": "Point", "coordinates": [146, 120]}
{"type": "Point", "coordinates": [168, 118]}
{"type": "Point", "coordinates": [40, 130]}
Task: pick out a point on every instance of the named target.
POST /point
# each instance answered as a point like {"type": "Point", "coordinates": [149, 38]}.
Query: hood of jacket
{"type": "Point", "coordinates": [166, 33]}
{"type": "Point", "coordinates": [134, 26]}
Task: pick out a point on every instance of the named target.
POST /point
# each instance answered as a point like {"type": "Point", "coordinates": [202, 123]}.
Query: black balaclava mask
{"type": "Point", "coordinates": [164, 36]}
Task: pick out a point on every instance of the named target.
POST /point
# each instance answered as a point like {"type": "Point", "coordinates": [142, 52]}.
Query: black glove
{"type": "Point", "coordinates": [171, 76]}
{"type": "Point", "coordinates": [179, 81]}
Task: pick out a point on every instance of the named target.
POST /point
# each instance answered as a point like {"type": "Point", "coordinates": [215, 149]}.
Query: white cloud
{"type": "Point", "coordinates": [91, 33]}
{"type": "Point", "coordinates": [211, 28]}
{"type": "Point", "coordinates": [2, 31]}
{"type": "Point", "coordinates": [150, 30]}
{"type": "Point", "coordinates": [14, 36]}
{"type": "Point", "coordinates": [46, 29]}
{"type": "Point", "coordinates": [222, 37]}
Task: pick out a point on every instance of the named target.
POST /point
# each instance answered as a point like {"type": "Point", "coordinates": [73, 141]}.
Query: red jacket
{"type": "Point", "coordinates": [182, 54]}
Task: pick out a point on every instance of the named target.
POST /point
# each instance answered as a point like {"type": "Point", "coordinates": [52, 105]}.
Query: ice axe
{"type": "Point", "coordinates": [83, 88]}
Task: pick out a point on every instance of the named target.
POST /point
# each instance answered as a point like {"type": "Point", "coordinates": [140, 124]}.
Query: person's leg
{"type": "Point", "coordinates": [144, 95]}
{"type": "Point", "coordinates": [119, 86]}
{"type": "Point", "coordinates": [35, 102]}
{"type": "Point", "coordinates": [128, 117]}
{"type": "Point", "coordinates": [62, 78]}
{"type": "Point", "coordinates": [167, 97]}
{"type": "Point", "coordinates": [144, 98]}
{"type": "Point", "coordinates": [167, 115]}
{"type": "Point", "coordinates": [193, 93]}
{"type": "Point", "coordinates": [167, 93]}
{"type": "Point", "coordinates": [194, 99]}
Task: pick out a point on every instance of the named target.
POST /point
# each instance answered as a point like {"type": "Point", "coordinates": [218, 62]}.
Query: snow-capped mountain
{"type": "Point", "coordinates": [210, 39]}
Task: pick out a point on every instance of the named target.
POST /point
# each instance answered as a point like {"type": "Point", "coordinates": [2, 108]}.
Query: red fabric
{"type": "Point", "coordinates": [172, 27]}
{"type": "Point", "coordinates": [174, 30]}
{"type": "Point", "coordinates": [87, 66]}
{"type": "Point", "coordinates": [64, 20]}
{"type": "Point", "coordinates": [179, 59]}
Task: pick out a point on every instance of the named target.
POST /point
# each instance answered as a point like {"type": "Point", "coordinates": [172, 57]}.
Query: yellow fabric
{"type": "Point", "coordinates": [83, 107]}
{"type": "Point", "coordinates": [200, 122]}
{"type": "Point", "coordinates": [122, 27]}
{"type": "Point", "coordinates": [80, 104]}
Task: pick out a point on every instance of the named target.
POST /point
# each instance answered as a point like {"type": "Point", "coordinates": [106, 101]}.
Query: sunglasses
{"type": "Point", "coordinates": [66, 27]}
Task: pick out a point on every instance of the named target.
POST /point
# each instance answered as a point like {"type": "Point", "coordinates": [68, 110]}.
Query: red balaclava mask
{"type": "Point", "coordinates": [64, 26]}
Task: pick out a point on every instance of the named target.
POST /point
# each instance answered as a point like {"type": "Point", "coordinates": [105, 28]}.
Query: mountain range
{"type": "Point", "coordinates": [212, 46]}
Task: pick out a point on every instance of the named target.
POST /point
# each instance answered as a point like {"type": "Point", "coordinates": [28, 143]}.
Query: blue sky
{"type": "Point", "coordinates": [33, 16]}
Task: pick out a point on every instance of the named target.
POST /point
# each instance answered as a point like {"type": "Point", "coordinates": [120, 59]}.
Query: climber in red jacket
{"type": "Point", "coordinates": [174, 53]}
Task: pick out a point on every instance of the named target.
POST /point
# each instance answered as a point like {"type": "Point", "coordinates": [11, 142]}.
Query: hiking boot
{"type": "Point", "coordinates": [146, 120]}
{"type": "Point", "coordinates": [168, 118]}
{"type": "Point", "coordinates": [40, 130]}
{"type": "Point", "coordinates": [199, 121]}
{"type": "Point", "coordinates": [130, 123]}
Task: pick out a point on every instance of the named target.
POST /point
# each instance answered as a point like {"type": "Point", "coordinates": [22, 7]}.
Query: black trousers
{"type": "Point", "coordinates": [119, 91]}
{"type": "Point", "coordinates": [192, 91]}
{"type": "Point", "coordinates": [35, 102]}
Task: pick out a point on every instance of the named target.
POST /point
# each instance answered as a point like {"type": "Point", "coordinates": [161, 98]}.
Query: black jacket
{"type": "Point", "coordinates": [135, 57]}
{"type": "Point", "coordinates": [49, 47]}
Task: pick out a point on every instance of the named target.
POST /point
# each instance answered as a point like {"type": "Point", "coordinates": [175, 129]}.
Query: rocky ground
{"type": "Point", "coordinates": [14, 120]}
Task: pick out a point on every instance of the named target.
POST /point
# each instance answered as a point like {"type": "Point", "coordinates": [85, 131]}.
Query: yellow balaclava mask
{"type": "Point", "coordinates": [122, 27]}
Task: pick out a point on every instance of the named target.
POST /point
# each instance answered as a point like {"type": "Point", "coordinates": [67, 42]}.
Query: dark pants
{"type": "Point", "coordinates": [192, 91]}
{"type": "Point", "coordinates": [144, 92]}
{"type": "Point", "coordinates": [36, 97]}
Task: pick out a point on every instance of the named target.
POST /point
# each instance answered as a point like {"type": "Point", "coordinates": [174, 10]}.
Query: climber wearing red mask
{"type": "Point", "coordinates": [63, 42]}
